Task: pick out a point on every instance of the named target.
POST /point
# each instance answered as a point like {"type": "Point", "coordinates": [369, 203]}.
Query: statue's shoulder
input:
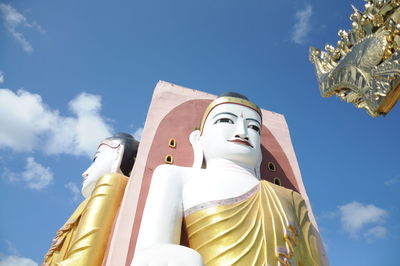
{"type": "Point", "coordinates": [111, 178]}
{"type": "Point", "coordinates": [169, 168]}
{"type": "Point", "coordinates": [174, 172]}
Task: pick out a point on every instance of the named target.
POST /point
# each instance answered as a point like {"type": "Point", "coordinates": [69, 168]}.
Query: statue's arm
{"type": "Point", "coordinates": [162, 217]}
{"type": "Point", "coordinates": [160, 229]}
{"type": "Point", "coordinates": [95, 225]}
{"type": "Point", "coordinates": [315, 249]}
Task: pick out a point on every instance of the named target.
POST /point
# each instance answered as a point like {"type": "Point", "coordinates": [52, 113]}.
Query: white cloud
{"type": "Point", "coordinates": [1, 77]}
{"type": "Point", "coordinates": [82, 134]}
{"type": "Point", "coordinates": [36, 175]}
{"type": "Point", "coordinates": [374, 233]}
{"type": "Point", "coordinates": [16, 261]}
{"type": "Point", "coordinates": [9, 175]}
{"type": "Point", "coordinates": [38, 27]}
{"type": "Point", "coordinates": [28, 124]}
{"type": "Point", "coordinates": [76, 193]}
{"type": "Point", "coordinates": [10, 247]}
{"type": "Point", "coordinates": [138, 134]}
{"type": "Point", "coordinates": [90, 126]}
{"type": "Point", "coordinates": [302, 26]}
{"type": "Point", "coordinates": [355, 217]}
{"type": "Point", "coordinates": [23, 117]}
{"type": "Point", "coordinates": [328, 215]}
{"type": "Point", "coordinates": [393, 181]}
{"type": "Point", "coordinates": [13, 20]}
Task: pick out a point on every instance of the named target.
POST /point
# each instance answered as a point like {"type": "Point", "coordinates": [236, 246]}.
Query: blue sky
{"type": "Point", "coordinates": [73, 72]}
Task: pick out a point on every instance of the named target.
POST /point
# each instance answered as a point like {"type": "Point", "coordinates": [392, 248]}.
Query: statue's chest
{"type": "Point", "coordinates": [259, 227]}
{"type": "Point", "coordinates": [216, 186]}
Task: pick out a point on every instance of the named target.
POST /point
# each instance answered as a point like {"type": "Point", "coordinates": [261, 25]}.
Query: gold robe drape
{"type": "Point", "coordinates": [267, 225]}
{"type": "Point", "coordinates": [84, 237]}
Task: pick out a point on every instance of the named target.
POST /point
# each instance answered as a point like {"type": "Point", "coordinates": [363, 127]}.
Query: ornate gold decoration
{"type": "Point", "coordinates": [169, 159]}
{"type": "Point", "coordinates": [364, 67]}
{"type": "Point", "coordinates": [172, 143]}
{"type": "Point", "coordinates": [269, 225]}
{"type": "Point", "coordinates": [228, 99]}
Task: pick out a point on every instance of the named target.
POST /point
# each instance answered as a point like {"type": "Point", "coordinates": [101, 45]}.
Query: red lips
{"type": "Point", "coordinates": [240, 141]}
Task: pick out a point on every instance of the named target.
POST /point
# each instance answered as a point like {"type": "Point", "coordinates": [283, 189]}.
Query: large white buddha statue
{"type": "Point", "coordinates": [83, 238]}
{"type": "Point", "coordinates": [231, 216]}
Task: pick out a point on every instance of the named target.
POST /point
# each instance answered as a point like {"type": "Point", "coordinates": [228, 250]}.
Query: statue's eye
{"type": "Point", "coordinates": [224, 120]}
{"type": "Point", "coordinates": [254, 127]}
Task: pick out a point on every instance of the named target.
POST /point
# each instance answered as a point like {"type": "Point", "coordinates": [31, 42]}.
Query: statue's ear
{"type": "Point", "coordinates": [116, 167]}
{"type": "Point", "coordinates": [258, 166]}
{"type": "Point", "coordinates": [197, 149]}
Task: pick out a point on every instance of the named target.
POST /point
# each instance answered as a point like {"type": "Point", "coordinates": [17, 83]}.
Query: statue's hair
{"type": "Point", "coordinates": [130, 150]}
{"type": "Point", "coordinates": [238, 95]}
{"type": "Point", "coordinates": [233, 94]}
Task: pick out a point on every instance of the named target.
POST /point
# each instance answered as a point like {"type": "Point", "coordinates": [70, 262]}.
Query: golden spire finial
{"type": "Point", "coordinates": [364, 68]}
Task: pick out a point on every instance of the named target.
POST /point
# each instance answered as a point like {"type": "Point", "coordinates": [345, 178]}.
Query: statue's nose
{"type": "Point", "coordinates": [241, 129]}
{"type": "Point", "coordinates": [85, 174]}
{"type": "Point", "coordinates": [241, 136]}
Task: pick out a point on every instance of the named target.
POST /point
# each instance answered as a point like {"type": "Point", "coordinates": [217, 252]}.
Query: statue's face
{"type": "Point", "coordinates": [103, 163]}
{"type": "Point", "coordinates": [232, 132]}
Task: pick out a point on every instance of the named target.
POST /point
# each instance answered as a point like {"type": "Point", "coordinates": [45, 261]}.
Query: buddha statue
{"type": "Point", "coordinates": [230, 215]}
{"type": "Point", "coordinates": [84, 237]}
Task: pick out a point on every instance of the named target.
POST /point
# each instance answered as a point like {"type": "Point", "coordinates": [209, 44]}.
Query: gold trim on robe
{"type": "Point", "coordinates": [269, 225]}
{"type": "Point", "coordinates": [84, 237]}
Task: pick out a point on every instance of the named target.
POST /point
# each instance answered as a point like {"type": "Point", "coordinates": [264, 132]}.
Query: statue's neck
{"type": "Point", "coordinates": [227, 165]}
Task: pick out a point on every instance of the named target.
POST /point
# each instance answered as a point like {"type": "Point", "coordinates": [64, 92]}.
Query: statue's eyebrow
{"type": "Point", "coordinates": [225, 113]}
{"type": "Point", "coordinates": [94, 157]}
{"type": "Point", "coordinates": [255, 120]}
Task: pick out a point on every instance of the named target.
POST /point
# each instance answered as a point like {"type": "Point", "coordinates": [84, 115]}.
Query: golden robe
{"type": "Point", "coordinates": [84, 237]}
{"type": "Point", "coordinates": [267, 225]}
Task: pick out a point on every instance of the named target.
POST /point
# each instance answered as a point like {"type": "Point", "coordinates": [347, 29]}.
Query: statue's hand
{"type": "Point", "coordinates": [167, 254]}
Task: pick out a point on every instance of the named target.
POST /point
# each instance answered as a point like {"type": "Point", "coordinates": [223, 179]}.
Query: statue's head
{"type": "Point", "coordinates": [230, 130]}
{"type": "Point", "coordinates": [116, 154]}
